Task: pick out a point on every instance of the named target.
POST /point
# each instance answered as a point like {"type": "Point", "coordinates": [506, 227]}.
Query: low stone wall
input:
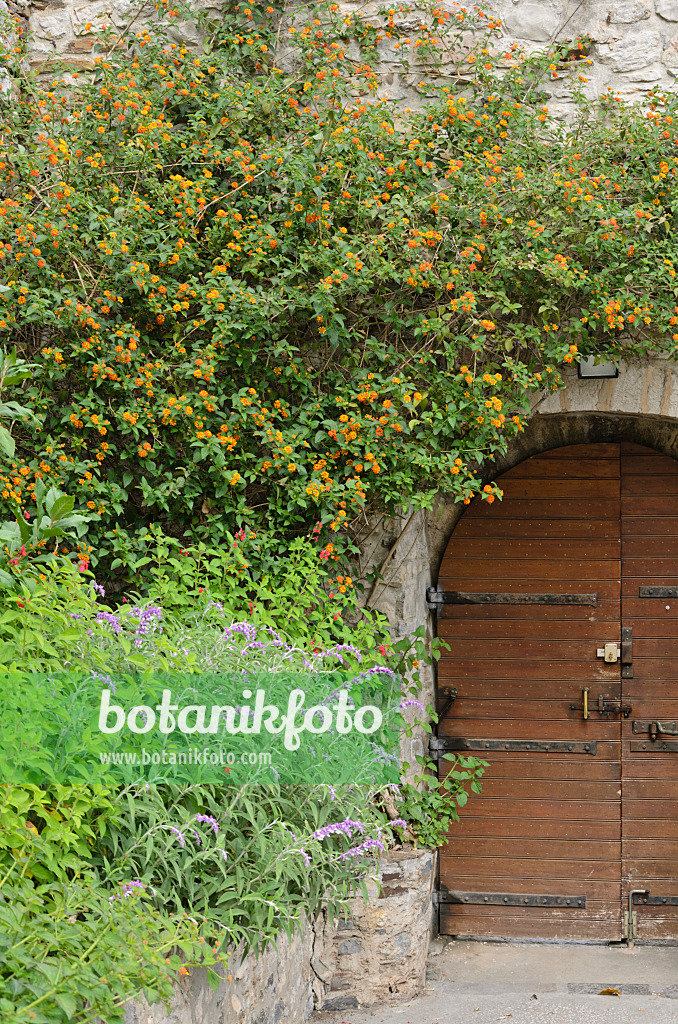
{"type": "Point", "coordinates": [275, 988]}
{"type": "Point", "coordinates": [375, 955]}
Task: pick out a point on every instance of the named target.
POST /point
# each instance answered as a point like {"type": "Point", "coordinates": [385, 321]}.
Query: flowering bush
{"type": "Point", "coordinates": [262, 298]}
{"type": "Point", "coordinates": [111, 885]}
{"type": "Point", "coordinates": [74, 946]}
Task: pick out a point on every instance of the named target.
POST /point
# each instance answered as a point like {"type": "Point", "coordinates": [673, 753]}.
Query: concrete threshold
{"type": "Point", "coordinates": [529, 983]}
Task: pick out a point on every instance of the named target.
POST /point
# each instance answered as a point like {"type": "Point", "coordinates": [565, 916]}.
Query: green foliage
{"type": "Point", "coordinates": [259, 870]}
{"type": "Point", "coordinates": [68, 954]}
{"type": "Point", "coordinates": [430, 806]}
{"type": "Point", "coordinates": [12, 371]}
{"type": "Point", "coordinates": [24, 546]}
{"type": "Point", "coordinates": [72, 946]}
{"type": "Point", "coordinates": [192, 867]}
{"type": "Point", "coordinates": [263, 299]}
{"type": "Point", "coordinates": [58, 614]}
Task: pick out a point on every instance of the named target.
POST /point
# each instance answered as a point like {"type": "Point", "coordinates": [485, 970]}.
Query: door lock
{"type": "Point", "coordinates": [610, 653]}
{"type": "Point", "coordinates": [603, 706]}
{"type": "Point", "coordinates": [612, 706]}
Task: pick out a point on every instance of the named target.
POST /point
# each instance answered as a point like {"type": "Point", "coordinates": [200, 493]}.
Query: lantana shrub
{"type": "Point", "coordinates": [262, 298]}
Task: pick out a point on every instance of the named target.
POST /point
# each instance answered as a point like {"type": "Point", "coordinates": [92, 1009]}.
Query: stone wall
{"type": "Point", "coordinates": [634, 42]}
{"type": "Point", "coordinates": [275, 988]}
{"type": "Point", "coordinates": [376, 954]}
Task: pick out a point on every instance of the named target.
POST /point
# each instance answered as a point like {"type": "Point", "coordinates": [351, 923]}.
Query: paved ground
{"type": "Point", "coordinates": [484, 982]}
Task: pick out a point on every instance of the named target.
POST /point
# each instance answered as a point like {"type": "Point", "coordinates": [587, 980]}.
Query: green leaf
{"type": "Point", "coordinates": [213, 979]}
{"type": "Point", "coordinates": [24, 529]}
{"type": "Point", "coordinates": [7, 442]}
{"type": "Point", "coordinates": [67, 1002]}
{"type": "Point", "coordinates": [60, 507]}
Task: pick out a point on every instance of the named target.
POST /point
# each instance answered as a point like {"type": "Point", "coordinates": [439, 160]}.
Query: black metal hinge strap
{"type": "Point", "coordinates": [436, 597]}
{"type": "Point", "coordinates": [508, 899]}
{"type": "Point", "coordinates": [657, 591]}
{"type": "Point", "coordinates": [446, 743]}
{"type": "Point", "coordinates": [655, 901]}
{"type": "Point", "coordinates": [638, 746]}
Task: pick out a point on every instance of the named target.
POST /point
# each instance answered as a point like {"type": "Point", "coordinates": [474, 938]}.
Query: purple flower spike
{"type": "Point", "coordinates": [359, 851]}
{"type": "Point", "coordinates": [209, 820]}
{"type": "Point", "coordinates": [338, 828]}
{"type": "Point", "coordinates": [180, 835]}
{"type": "Point", "coordinates": [112, 620]}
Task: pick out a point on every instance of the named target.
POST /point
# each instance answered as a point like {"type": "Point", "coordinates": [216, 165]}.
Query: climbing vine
{"type": "Point", "coordinates": [264, 298]}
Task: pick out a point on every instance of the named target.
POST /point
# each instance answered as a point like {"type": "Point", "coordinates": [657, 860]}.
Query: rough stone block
{"type": "Point", "coordinates": [628, 12]}
{"type": "Point", "coordinates": [341, 980]}
{"type": "Point", "coordinates": [667, 9]}
{"type": "Point", "coordinates": [350, 946]}
{"type": "Point", "coordinates": [341, 1003]}
{"type": "Point", "coordinates": [632, 53]}
{"type": "Point", "coordinates": [532, 21]}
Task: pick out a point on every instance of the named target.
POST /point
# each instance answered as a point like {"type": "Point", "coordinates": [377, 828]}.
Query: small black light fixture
{"type": "Point", "coordinates": [594, 368]}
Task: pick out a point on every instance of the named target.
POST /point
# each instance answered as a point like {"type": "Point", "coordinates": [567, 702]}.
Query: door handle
{"type": "Point", "coordinates": [584, 706]}
{"type": "Point", "coordinates": [656, 729]}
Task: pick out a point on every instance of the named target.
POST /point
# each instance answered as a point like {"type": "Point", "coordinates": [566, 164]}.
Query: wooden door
{"type": "Point", "coordinates": [578, 819]}
{"type": "Point", "coordinates": [548, 824]}
{"type": "Point", "coordinates": [649, 529]}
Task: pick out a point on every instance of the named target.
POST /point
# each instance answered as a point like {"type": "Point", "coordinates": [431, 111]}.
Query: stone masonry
{"type": "Point", "coordinates": [374, 955]}
{"type": "Point", "coordinates": [634, 43]}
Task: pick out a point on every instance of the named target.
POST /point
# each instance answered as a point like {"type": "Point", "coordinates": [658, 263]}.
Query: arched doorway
{"type": "Point", "coordinates": [560, 606]}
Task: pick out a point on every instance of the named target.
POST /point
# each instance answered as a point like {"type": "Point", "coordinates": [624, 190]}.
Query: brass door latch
{"type": "Point", "coordinates": [603, 706]}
